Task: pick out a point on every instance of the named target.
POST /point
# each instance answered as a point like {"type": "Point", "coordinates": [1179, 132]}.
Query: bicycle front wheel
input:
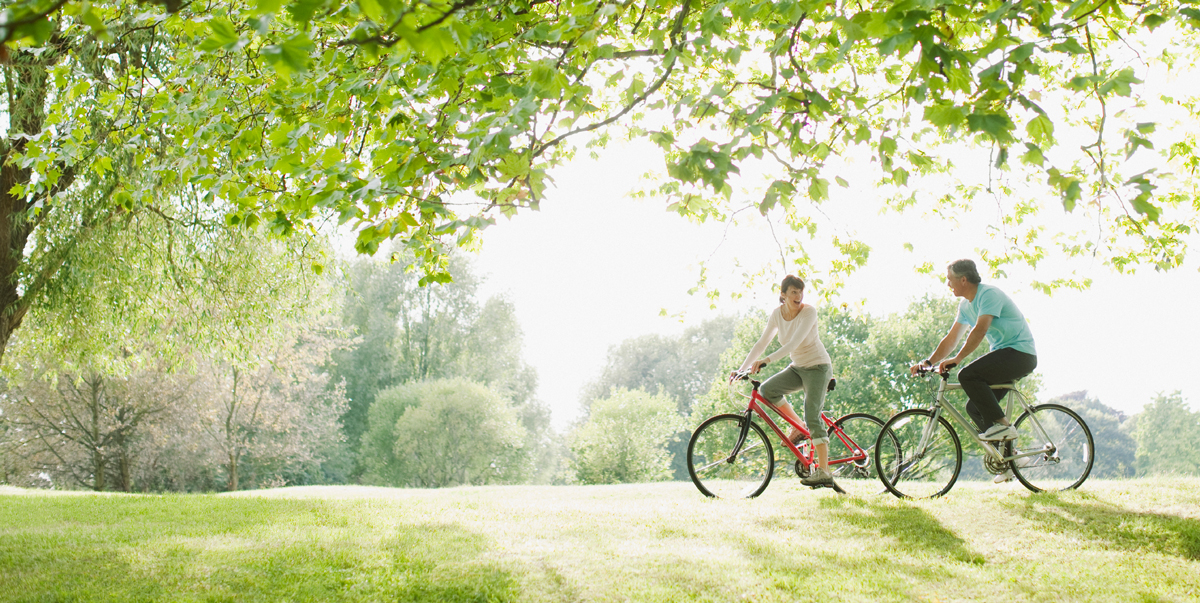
{"type": "Point", "coordinates": [855, 475]}
{"type": "Point", "coordinates": [718, 474]}
{"type": "Point", "coordinates": [1063, 444]}
{"type": "Point", "coordinates": [916, 458]}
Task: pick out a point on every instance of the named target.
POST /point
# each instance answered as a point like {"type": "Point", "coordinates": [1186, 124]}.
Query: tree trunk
{"type": "Point", "coordinates": [232, 485]}
{"type": "Point", "coordinates": [232, 445]}
{"type": "Point", "coordinates": [97, 451]}
{"type": "Point", "coordinates": [27, 88]}
{"type": "Point", "coordinates": [126, 470]}
{"type": "Point", "coordinates": [27, 85]}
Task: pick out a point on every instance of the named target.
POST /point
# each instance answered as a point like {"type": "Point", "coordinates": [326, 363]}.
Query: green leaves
{"type": "Point", "coordinates": [1041, 130]}
{"type": "Point", "coordinates": [224, 36]}
{"type": "Point", "coordinates": [996, 126]}
{"type": "Point", "coordinates": [423, 121]}
{"type": "Point", "coordinates": [434, 44]}
{"type": "Point", "coordinates": [779, 189]}
{"type": "Point", "coordinates": [1141, 203]}
{"type": "Point", "coordinates": [292, 56]}
{"type": "Point", "coordinates": [1068, 187]}
{"type": "Point", "coordinates": [1134, 139]}
{"type": "Point", "coordinates": [1120, 83]}
{"type": "Point", "coordinates": [947, 116]}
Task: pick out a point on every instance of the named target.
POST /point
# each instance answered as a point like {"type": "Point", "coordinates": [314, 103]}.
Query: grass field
{"type": "Point", "coordinates": [1112, 541]}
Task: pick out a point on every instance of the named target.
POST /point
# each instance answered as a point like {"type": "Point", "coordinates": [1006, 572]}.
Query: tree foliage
{"type": "Point", "coordinates": [678, 366]}
{"type": "Point", "coordinates": [625, 439]}
{"type": "Point", "coordinates": [1116, 450]}
{"type": "Point", "coordinates": [407, 333]}
{"type": "Point", "coordinates": [1168, 437]}
{"type": "Point", "coordinates": [421, 122]}
{"type": "Point", "coordinates": [443, 432]}
{"type": "Point", "coordinates": [214, 426]}
{"type": "Point", "coordinates": [175, 354]}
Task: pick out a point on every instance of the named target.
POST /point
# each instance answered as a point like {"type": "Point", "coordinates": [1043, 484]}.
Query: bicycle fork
{"type": "Point", "coordinates": [919, 453]}
{"type": "Point", "coordinates": [741, 437]}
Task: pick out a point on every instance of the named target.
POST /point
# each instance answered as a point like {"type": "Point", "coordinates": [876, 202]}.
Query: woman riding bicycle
{"type": "Point", "coordinates": [795, 323]}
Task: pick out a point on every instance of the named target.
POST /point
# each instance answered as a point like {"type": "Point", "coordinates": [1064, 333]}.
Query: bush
{"type": "Point", "coordinates": [439, 433]}
{"type": "Point", "coordinates": [625, 439]}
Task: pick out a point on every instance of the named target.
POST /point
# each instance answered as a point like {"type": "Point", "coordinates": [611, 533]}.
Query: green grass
{"type": "Point", "coordinates": [1112, 541]}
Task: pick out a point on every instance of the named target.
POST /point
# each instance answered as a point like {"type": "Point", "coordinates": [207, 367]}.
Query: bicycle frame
{"type": "Point", "coordinates": [941, 404]}
{"type": "Point", "coordinates": [754, 408]}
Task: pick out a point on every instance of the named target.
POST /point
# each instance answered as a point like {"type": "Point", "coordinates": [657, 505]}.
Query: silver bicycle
{"type": "Point", "coordinates": [918, 454]}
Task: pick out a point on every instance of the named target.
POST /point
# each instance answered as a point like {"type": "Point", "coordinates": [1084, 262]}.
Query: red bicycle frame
{"type": "Point", "coordinates": [857, 453]}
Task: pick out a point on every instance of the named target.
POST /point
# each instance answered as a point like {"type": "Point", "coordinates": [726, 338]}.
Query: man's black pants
{"type": "Point", "coordinates": [1000, 366]}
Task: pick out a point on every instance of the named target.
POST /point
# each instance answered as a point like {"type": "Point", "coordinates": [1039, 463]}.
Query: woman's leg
{"type": "Point", "coordinates": [774, 389]}
{"type": "Point", "coordinates": [816, 383]}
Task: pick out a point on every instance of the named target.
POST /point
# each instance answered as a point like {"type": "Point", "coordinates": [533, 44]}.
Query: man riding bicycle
{"type": "Point", "coordinates": [990, 314]}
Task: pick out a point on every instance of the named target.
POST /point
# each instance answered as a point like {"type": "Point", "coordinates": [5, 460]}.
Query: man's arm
{"type": "Point", "coordinates": [973, 339]}
{"type": "Point", "coordinates": [943, 348]}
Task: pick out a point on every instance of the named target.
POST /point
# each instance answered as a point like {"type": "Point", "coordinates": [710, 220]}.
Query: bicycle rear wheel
{"type": "Point", "coordinates": [910, 471]}
{"type": "Point", "coordinates": [857, 477]}
{"type": "Point", "coordinates": [718, 475]}
{"type": "Point", "coordinates": [1065, 445]}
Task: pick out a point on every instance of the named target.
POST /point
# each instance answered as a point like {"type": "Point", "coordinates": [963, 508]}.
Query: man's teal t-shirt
{"type": "Point", "coordinates": [1008, 328]}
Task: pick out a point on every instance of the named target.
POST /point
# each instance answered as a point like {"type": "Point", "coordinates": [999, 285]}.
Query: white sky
{"type": "Point", "coordinates": [594, 267]}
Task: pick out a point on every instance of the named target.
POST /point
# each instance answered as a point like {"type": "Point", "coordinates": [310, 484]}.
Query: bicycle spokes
{"type": "Point", "coordinates": [719, 468]}
{"type": "Point", "coordinates": [918, 456]}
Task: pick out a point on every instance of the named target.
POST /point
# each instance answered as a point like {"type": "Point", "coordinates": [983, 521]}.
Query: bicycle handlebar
{"type": "Point", "coordinates": [923, 371]}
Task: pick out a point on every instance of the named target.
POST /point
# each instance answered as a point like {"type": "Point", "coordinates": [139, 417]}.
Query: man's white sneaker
{"type": "Point", "coordinates": [999, 432]}
{"type": "Point", "coordinates": [1003, 477]}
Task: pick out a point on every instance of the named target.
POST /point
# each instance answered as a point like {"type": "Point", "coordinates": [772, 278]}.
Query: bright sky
{"type": "Point", "coordinates": [594, 267]}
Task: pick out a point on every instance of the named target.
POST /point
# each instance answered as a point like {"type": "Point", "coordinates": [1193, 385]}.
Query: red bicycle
{"type": "Point", "coordinates": [729, 455]}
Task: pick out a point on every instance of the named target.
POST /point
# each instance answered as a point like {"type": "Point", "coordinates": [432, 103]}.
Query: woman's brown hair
{"type": "Point", "coordinates": [790, 281]}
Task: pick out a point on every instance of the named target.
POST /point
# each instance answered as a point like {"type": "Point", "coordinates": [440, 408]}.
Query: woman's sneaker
{"type": "Point", "coordinates": [1003, 477]}
{"type": "Point", "coordinates": [819, 477]}
{"type": "Point", "coordinates": [999, 432]}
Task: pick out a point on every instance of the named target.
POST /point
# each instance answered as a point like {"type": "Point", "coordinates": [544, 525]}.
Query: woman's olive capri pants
{"type": "Point", "coordinates": [813, 380]}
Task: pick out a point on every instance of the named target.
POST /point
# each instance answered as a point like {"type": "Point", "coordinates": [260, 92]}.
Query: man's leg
{"type": "Point", "coordinates": [1000, 366]}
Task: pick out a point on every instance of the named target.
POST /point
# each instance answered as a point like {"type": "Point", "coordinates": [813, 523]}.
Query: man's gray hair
{"type": "Point", "coordinates": [965, 268]}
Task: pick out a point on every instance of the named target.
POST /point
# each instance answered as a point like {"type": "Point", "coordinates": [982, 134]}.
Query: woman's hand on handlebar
{"type": "Point", "coordinates": [740, 374]}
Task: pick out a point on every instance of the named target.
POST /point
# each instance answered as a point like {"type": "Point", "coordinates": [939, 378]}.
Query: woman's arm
{"type": "Point", "coordinates": [760, 347]}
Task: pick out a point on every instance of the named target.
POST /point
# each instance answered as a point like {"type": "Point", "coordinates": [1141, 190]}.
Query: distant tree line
{"type": "Point", "coordinates": [173, 354]}
{"type": "Point", "coordinates": [237, 367]}
{"type": "Point", "coordinates": [349, 375]}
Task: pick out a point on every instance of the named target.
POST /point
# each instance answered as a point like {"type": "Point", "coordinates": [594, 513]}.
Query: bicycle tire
{"type": "Point", "coordinates": [708, 463]}
{"type": "Point", "coordinates": [859, 478]}
{"type": "Point", "coordinates": [905, 473]}
{"type": "Point", "coordinates": [1073, 454]}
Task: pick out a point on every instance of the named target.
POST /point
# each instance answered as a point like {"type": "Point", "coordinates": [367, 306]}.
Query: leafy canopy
{"type": "Point", "coordinates": [424, 121]}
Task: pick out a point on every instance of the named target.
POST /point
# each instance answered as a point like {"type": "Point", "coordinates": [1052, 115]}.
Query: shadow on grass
{"type": "Point", "coordinates": [874, 542]}
{"type": "Point", "coordinates": [911, 528]}
{"type": "Point", "coordinates": [1081, 515]}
